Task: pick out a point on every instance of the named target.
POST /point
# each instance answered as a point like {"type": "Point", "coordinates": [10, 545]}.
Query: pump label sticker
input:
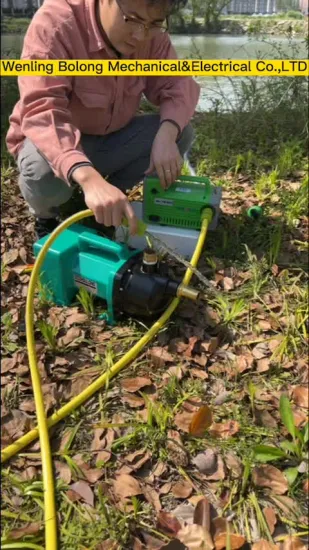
{"type": "Point", "coordinates": [89, 285]}
{"type": "Point", "coordinates": [164, 202]}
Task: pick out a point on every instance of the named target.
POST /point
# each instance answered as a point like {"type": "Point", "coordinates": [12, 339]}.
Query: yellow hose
{"type": "Point", "coordinates": [43, 424]}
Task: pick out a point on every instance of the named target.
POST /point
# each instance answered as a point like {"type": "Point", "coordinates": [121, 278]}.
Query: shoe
{"type": "Point", "coordinates": [44, 226]}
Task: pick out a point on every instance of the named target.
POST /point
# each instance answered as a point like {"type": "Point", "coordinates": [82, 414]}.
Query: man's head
{"type": "Point", "coordinates": [127, 23]}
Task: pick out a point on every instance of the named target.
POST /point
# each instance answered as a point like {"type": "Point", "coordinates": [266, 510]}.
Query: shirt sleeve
{"type": "Point", "coordinates": [176, 96]}
{"type": "Point", "coordinates": [45, 116]}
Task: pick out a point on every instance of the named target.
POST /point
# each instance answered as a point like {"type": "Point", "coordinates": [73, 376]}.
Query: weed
{"type": "Point", "coordinates": [86, 300]}
{"type": "Point", "coordinates": [290, 452]}
{"type": "Point", "coordinates": [49, 333]}
{"type": "Point", "coordinates": [266, 185]}
{"type": "Point", "coordinates": [45, 294]}
{"type": "Point", "coordinates": [8, 344]}
{"type": "Point", "coordinates": [230, 311]}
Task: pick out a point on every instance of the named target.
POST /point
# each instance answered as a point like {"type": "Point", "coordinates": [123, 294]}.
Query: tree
{"type": "Point", "coordinates": [196, 9]}
{"type": "Point", "coordinates": [212, 10]}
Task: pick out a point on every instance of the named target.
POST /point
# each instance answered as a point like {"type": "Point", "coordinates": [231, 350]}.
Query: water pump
{"type": "Point", "coordinates": [130, 281]}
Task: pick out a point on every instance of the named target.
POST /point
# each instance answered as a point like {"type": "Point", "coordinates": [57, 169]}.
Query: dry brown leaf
{"type": "Point", "coordinates": [168, 524]}
{"type": "Point", "coordinates": [64, 471]}
{"type": "Point", "coordinates": [182, 489]}
{"type": "Point", "coordinates": [301, 396]}
{"type": "Point", "coordinates": [177, 453]}
{"type": "Point", "coordinates": [83, 490]}
{"type": "Point", "coordinates": [29, 473]}
{"type": "Point", "coordinates": [261, 350]}
{"type": "Point", "coordinates": [159, 469]}
{"type": "Point", "coordinates": [184, 513]}
{"type": "Point", "coordinates": [234, 464]}
{"type": "Point", "coordinates": [271, 518]}
{"type": "Point", "coordinates": [206, 462]}
{"type": "Point", "coordinates": [270, 477]}
{"type": "Point", "coordinates": [201, 420]}
{"type": "Point", "coordinates": [293, 543]}
{"type": "Point", "coordinates": [108, 545]}
{"type": "Point", "coordinates": [7, 364]}
{"type": "Point", "coordinates": [30, 529]}
{"type": "Point", "coordinates": [244, 362]}
{"type": "Point", "coordinates": [152, 497]}
{"type": "Point", "coordinates": [176, 372]}
{"type": "Point", "coordinates": [70, 338]}
{"type": "Point", "coordinates": [262, 365]}
{"type": "Point", "coordinates": [160, 356]}
{"type": "Point", "coordinates": [228, 283]}
{"type": "Point", "coordinates": [135, 384]}
{"type": "Point", "coordinates": [165, 489]}
{"type": "Point", "coordinates": [103, 456]}
{"type": "Point", "coordinates": [192, 341]}
{"type": "Point", "coordinates": [136, 460]}
{"type": "Point", "coordinates": [202, 514]}
{"type": "Point", "coordinates": [133, 401]}
{"type": "Point", "coordinates": [264, 545]}
{"type": "Point", "coordinates": [199, 373]}
{"type": "Point", "coordinates": [211, 345]}
{"type": "Point", "coordinates": [222, 530]}
{"type": "Point", "coordinates": [264, 418]}
{"type": "Point", "coordinates": [195, 537]}
{"type": "Point", "coordinates": [10, 256]}
{"type": "Point", "coordinates": [76, 319]}
{"type": "Point", "coordinates": [183, 420]}
{"type": "Point", "coordinates": [306, 486]}
{"type": "Point", "coordinates": [126, 486]}
{"type": "Point", "coordinates": [219, 474]}
{"type": "Point", "coordinates": [287, 505]}
{"type": "Point", "coordinates": [224, 430]}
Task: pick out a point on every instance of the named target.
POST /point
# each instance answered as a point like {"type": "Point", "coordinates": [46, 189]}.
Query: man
{"type": "Point", "coordinates": [83, 131]}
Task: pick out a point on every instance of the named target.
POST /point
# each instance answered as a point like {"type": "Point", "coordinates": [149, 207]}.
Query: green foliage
{"type": "Point", "coordinates": [289, 451]}
{"type": "Point", "coordinates": [49, 333]}
{"type": "Point", "coordinates": [86, 300]}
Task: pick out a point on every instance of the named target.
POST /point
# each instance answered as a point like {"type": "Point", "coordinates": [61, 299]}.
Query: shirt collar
{"type": "Point", "coordinates": [96, 41]}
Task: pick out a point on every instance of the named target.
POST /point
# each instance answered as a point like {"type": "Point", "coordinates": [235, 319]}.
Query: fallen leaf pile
{"type": "Point", "coordinates": [163, 456]}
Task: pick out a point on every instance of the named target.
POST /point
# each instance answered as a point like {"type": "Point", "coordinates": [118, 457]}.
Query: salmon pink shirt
{"type": "Point", "coordinates": [53, 111]}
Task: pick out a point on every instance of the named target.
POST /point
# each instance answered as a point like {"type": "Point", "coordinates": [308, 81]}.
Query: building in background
{"type": "Point", "coordinates": [249, 7]}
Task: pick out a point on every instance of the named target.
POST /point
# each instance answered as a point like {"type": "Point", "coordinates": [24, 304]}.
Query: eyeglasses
{"type": "Point", "coordinates": [135, 24]}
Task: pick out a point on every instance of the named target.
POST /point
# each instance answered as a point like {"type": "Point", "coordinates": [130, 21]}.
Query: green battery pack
{"type": "Point", "coordinates": [182, 203]}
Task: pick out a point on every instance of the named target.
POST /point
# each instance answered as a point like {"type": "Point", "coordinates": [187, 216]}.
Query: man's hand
{"type": "Point", "coordinates": [165, 158]}
{"type": "Point", "coordinates": [108, 203]}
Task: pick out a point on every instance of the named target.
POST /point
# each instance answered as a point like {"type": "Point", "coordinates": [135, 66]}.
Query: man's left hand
{"type": "Point", "coordinates": [165, 158]}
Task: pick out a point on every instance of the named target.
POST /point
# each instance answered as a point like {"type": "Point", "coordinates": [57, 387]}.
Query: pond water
{"type": "Point", "coordinates": [211, 47]}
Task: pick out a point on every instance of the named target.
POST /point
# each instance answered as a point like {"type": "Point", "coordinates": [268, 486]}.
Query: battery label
{"type": "Point", "coordinates": [164, 202]}
{"type": "Point", "coordinates": [89, 285]}
{"type": "Point", "coordinates": [183, 189]}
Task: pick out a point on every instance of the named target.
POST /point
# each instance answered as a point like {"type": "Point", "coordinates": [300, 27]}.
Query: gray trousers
{"type": "Point", "coordinates": [123, 156]}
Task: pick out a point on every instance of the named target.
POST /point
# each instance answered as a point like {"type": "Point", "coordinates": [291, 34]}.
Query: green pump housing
{"type": "Point", "coordinates": [180, 205]}
{"type": "Point", "coordinates": [79, 257]}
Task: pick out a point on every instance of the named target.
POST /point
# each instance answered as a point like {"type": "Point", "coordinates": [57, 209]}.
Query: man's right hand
{"type": "Point", "coordinates": [108, 203]}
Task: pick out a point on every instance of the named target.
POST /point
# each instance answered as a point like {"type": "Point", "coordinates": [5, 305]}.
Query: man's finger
{"type": "Point", "coordinates": [161, 176]}
{"type": "Point", "coordinates": [107, 216]}
{"type": "Point", "coordinates": [117, 216]}
{"type": "Point", "coordinates": [99, 215]}
{"type": "Point", "coordinates": [150, 169]}
{"type": "Point", "coordinates": [169, 174]}
{"type": "Point", "coordinates": [131, 217]}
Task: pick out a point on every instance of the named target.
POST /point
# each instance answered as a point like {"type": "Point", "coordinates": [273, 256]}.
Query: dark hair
{"type": "Point", "coordinates": [174, 5]}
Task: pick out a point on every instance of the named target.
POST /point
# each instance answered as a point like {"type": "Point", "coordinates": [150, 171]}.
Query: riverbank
{"type": "Point", "coordinates": [227, 25]}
